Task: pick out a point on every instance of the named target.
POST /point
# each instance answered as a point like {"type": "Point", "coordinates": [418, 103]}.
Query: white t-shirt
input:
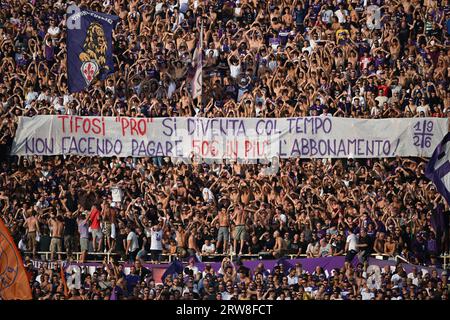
{"type": "Point", "coordinates": [156, 237]}
{"type": "Point", "coordinates": [381, 100]}
{"type": "Point", "coordinates": [326, 16]}
{"type": "Point", "coordinates": [184, 5]}
{"type": "Point", "coordinates": [292, 280]}
{"type": "Point", "coordinates": [193, 268]}
{"type": "Point", "coordinates": [235, 70]}
{"type": "Point", "coordinates": [31, 96]}
{"type": "Point", "coordinates": [134, 241]}
{"type": "Point", "coordinates": [415, 279]}
{"type": "Point", "coordinates": [209, 249]}
{"type": "Point", "coordinates": [374, 111]}
{"type": "Point", "coordinates": [53, 31]}
{"type": "Point", "coordinates": [366, 295]}
{"type": "Point", "coordinates": [226, 295]}
{"type": "Point", "coordinates": [44, 97]}
{"type": "Point", "coordinates": [158, 6]}
{"type": "Point", "coordinates": [351, 240]}
{"type": "Point", "coordinates": [362, 102]}
{"type": "Point", "coordinates": [396, 279]}
{"type": "Point", "coordinates": [423, 109]}
{"type": "Point", "coordinates": [214, 51]}
{"type": "Point", "coordinates": [341, 15]}
{"type": "Point", "coordinates": [116, 194]}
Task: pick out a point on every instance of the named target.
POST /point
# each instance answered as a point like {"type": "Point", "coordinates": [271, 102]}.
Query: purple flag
{"type": "Point", "coordinates": [438, 221]}
{"type": "Point", "coordinates": [438, 168]}
{"type": "Point", "coordinates": [175, 267]}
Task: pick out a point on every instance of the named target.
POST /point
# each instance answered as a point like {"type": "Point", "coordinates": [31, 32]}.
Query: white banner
{"type": "Point", "coordinates": [228, 138]}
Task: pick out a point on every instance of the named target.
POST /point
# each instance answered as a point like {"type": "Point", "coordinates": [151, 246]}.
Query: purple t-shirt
{"type": "Point", "coordinates": [49, 53]}
{"type": "Point", "coordinates": [83, 229]}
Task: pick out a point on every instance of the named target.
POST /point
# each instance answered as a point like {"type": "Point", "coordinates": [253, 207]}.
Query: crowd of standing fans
{"type": "Point", "coordinates": [355, 58]}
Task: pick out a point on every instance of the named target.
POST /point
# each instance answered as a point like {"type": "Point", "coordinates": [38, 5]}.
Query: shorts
{"type": "Point", "coordinates": [55, 245]}
{"type": "Point", "coordinates": [155, 255]}
{"type": "Point", "coordinates": [106, 230]}
{"type": "Point", "coordinates": [32, 240]}
{"type": "Point", "coordinates": [350, 255]}
{"type": "Point", "coordinates": [113, 231]}
{"type": "Point", "coordinates": [240, 233]}
{"type": "Point", "coordinates": [141, 254]}
{"type": "Point", "coordinates": [84, 244]}
{"type": "Point", "coordinates": [181, 251]}
{"type": "Point", "coordinates": [224, 234]}
{"type": "Point", "coordinates": [132, 255]}
{"type": "Point", "coordinates": [97, 234]}
{"type": "Point", "coordinates": [68, 243]}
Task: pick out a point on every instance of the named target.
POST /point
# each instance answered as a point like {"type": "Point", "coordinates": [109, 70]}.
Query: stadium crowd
{"type": "Point", "coordinates": [237, 282]}
{"type": "Point", "coordinates": [261, 59]}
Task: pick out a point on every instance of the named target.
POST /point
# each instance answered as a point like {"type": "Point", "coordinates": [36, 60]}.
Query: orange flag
{"type": "Point", "coordinates": [14, 283]}
{"type": "Point", "coordinates": [63, 279]}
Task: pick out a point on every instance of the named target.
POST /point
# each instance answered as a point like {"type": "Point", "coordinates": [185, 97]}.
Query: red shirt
{"type": "Point", "coordinates": [94, 217]}
{"type": "Point", "coordinates": [385, 89]}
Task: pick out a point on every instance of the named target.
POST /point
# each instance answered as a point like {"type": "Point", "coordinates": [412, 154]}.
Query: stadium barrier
{"type": "Point", "coordinates": [168, 258]}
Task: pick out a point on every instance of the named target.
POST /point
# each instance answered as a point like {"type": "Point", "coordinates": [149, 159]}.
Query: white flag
{"type": "Point", "coordinates": [197, 80]}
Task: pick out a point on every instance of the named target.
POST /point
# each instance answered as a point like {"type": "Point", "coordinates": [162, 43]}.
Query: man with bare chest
{"type": "Point", "coordinates": [240, 234]}
{"type": "Point", "coordinates": [180, 237]}
{"type": "Point", "coordinates": [32, 226]}
{"type": "Point", "coordinates": [224, 226]}
{"type": "Point", "coordinates": [56, 225]}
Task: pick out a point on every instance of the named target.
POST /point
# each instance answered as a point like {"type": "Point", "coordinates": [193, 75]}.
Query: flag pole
{"type": "Point", "coordinates": [200, 101]}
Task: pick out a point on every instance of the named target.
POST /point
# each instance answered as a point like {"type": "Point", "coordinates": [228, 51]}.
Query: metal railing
{"type": "Point", "coordinates": [445, 258]}
{"type": "Point", "coordinates": [168, 258]}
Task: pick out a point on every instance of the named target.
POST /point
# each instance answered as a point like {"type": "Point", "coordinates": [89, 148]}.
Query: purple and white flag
{"type": "Point", "coordinates": [438, 168]}
{"type": "Point", "coordinates": [197, 79]}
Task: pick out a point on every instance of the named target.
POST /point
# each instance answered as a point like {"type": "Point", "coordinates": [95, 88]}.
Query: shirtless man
{"type": "Point", "coordinates": [180, 237]}
{"type": "Point", "coordinates": [192, 243]}
{"type": "Point", "coordinates": [224, 227]}
{"type": "Point", "coordinates": [32, 226]}
{"type": "Point", "coordinates": [56, 225]}
{"type": "Point", "coordinates": [240, 234]}
{"type": "Point", "coordinates": [280, 247]}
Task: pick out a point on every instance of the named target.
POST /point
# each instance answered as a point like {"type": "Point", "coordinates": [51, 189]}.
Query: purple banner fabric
{"type": "Point", "coordinates": [308, 264]}
{"type": "Point", "coordinates": [439, 167]}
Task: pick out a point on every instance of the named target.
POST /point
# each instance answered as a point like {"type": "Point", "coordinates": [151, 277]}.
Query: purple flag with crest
{"type": "Point", "coordinates": [438, 168]}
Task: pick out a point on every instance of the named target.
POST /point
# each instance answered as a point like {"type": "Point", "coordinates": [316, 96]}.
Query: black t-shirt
{"type": "Point", "coordinates": [269, 243]}
{"type": "Point", "coordinates": [403, 36]}
{"type": "Point", "coordinates": [142, 272]}
{"type": "Point", "coordinates": [303, 245]}
{"type": "Point", "coordinates": [293, 247]}
{"type": "Point", "coordinates": [119, 243]}
{"type": "Point", "coordinates": [259, 230]}
{"type": "Point", "coordinates": [364, 240]}
{"type": "Point", "coordinates": [72, 202]}
{"type": "Point", "coordinates": [70, 226]}
{"type": "Point", "coordinates": [338, 246]}
{"type": "Point", "coordinates": [141, 238]}
{"type": "Point", "coordinates": [255, 248]}
{"type": "Point", "coordinates": [44, 243]}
